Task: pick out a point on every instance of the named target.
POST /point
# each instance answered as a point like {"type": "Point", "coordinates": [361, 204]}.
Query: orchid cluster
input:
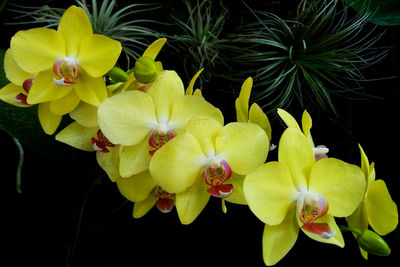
{"type": "Point", "coordinates": [166, 146]}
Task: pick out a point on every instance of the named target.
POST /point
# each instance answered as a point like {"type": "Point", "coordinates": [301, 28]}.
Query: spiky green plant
{"type": "Point", "coordinates": [127, 24]}
{"type": "Point", "coordinates": [198, 36]}
{"type": "Point", "coordinates": [318, 54]}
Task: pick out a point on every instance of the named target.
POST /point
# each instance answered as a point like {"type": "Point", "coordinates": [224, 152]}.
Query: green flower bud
{"type": "Point", "coordinates": [117, 75]}
{"type": "Point", "coordinates": [372, 243]}
{"type": "Point", "coordinates": [145, 70]}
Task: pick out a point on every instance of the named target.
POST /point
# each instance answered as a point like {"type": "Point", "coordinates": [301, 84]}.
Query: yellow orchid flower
{"type": "Point", "coordinates": [198, 163]}
{"type": "Point", "coordinates": [298, 192]}
{"type": "Point", "coordinates": [70, 62]}
{"type": "Point", "coordinates": [143, 122]}
{"type": "Point", "coordinates": [377, 208]}
{"type": "Point", "coordinates": [15, 93]}
{"type": "Point", "coordinates": [306, 123]}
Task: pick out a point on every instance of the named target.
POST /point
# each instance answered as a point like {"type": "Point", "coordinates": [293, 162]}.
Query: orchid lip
{"type": "Point", "coordinates": [215, 174]}
{"type": "Point", "coordinates": [67, 70]}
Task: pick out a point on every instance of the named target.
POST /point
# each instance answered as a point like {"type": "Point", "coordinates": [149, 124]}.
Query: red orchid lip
{"type": "Point", "coordinates": [216, 177]}
{"type": "Point", "coordinates": [102, 142]}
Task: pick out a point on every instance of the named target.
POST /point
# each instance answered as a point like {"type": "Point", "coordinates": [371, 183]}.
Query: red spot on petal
{"type": "Point", "coordinates": [320, 229]}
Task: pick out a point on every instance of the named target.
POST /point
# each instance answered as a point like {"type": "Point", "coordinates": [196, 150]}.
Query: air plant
{"type": "Point", "coordinates": [126, 24]}
{"type": "Point", "coordinates": [199, 37]}
{"type": "Point", "coordinates": [318, 54]}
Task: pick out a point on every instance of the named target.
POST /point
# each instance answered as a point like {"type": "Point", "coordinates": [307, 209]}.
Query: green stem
{"type": "Point", "coordinates": [20, 163]}
{"type": "Point", "coordinates": [349, 229]}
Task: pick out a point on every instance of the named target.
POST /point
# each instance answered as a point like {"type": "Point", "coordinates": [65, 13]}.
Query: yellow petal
{"type": "Point", "coordinates": [48, 119]}
{"type": "Point", "coordinates": [306, 124]}
{"type": "Point", "coordinates": [189, 89]}
{"type": "Point", "coordinates": [244, 146]}
{"type": "Point", "coordinates": [237, 196]}
{"type": "Point", "coordinates": [8, 92]}
{"type": "Point", "coordinates": [372, 174]}
{"type": "Point", "coordinates": [204, 129]}
{"type": "Point", "coordinates": [77, 136]}
{"type": "Point", "coordinates": [242, 102]}
{"type": "Point", "coordinates": [364, 162]}
{"type": "Point", "coordinates": [124, 118]}
{"type": "Point", "coordinates": [65, 104]}
{"type": "Point", "coordinates": [279, 239]}
{"type": "Point", "coordinates": [44, 89]}
{"type": "Point", "coordinates": [85, 114]}
{"type": "Point", "coordinates": [359, 220]}
{"type": "Point", "coordinates": [288, 119]}
{"type": "Point", "coordinates": [296, 153]}
{"type": "Point", "coordinates": [164, 92]}
{"type": "Point", "coordinates": [342, 184]}
{"type": "Point", "coordinates": [37, 49]}
{"type": "Point", "coordinates": [137, 187]}
{"type": "Point", "coordinates": [381, 209]}
{"type": "Point", "coordinates": [155, 48]}
{"type": "Point", "coordinates": [98, 54]}
{"type": "Point", "coordinates": [142, 207]}
{"type": "Point", "coordinates": [336, 239]}
{"type": "Point", "coordinates": [135, 159]}
{"type": "Point", "coordinates": [198, 93]}
{"type": "Point", "coordinates": [177, 165]}
{"type": "Point", "coordinates": [269, 191]}
{"type": "Point", "coordinates": [192, 201]}
{"type": "Point", "coordinates": [109, 162]}
{"type": "Point", "coordinates": [257, 116]}
{"type": "Point", "coordinates": [186, 107]}
{"type": "Point", "coordinates": [14, 73]}
{"type": "Point", "coordinates": [74, 25]}
{"type": "Point", "coordinates": [90, 90]}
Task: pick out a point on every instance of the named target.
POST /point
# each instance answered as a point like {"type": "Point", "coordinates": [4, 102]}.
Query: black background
{"type": "Point", "coordinates": [41, 224]}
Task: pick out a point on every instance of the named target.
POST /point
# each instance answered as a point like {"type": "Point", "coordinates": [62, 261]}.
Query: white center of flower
{"type": "Point", "coordinates": [212, 160]}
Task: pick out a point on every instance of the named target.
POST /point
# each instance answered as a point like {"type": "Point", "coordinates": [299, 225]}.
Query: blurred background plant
{"type": "Point", "coordinates": [319, 53]}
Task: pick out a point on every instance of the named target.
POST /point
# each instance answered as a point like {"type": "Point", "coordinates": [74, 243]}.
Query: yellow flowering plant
{"type": "Point", "coordinates": [165, 145]}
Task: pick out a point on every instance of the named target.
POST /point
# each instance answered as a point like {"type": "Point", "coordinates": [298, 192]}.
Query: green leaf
{"type": "Point", "coordinates": [386, 12]}
{"type": "Point", "coordinates": [23, 124]}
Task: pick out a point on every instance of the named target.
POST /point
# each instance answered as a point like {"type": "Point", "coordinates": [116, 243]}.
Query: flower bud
{"type": "Point", "coordinates": [372, 243]}
{"type": "Point", "coordinates": [118, 75]}
{"type": "Point", "coordinates": [145, 70]}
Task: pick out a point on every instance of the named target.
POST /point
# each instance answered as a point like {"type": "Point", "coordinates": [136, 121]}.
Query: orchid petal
{"type": "Point", "coordinates": [65, 104]}
{"type": "Point", "coordinates": [189, 90]}
{"type": "Point", "coordinates": [176, 166]}
{"type": "Point", "coordinates": [74, 25]}
{"type": "Point", "coordinates": [288, 119]}
{"type": "Point", "coordinates": [296, 153]}
{"type": "Point", "coordinates": [359, 220]}
{"type": "Point", "coordinates": [44, 89]}
{"type": "Point", "coordinates": [242, 102]}
{"type": "Point", "coordinates": [381, 209]}
{"type": "Point", "coordinates": [137, 187]}
{"type": "Point", "coordinates": [77, 136]}
{"type": "Point", "coordinates": [244, 146]}
{"type": "Point", "coordinates": [134, 159]}
{"type": "Point", "coordinates": [48, 120]}
{"type": "Point", "coordinates": [270, 192]}
{"type": "Point", "coordinates": [9, 92]}
{"type": "Point", "coordinates": [192, 201]}
{"type": "Point", "coordinates": [334, 238]}
{"type": "Point", "coordinates": [85, 114]}
{"type": "Point", "coordinates": [186, 107]}
{"type": "Point", "coordinates": [164, 92]}
{"type": "Point", "coordinates": [124, 118]}
{"type": "Point", "coordinates": [342, 184]}
{"type": "Point", "coordinates": [90, 90]}
{"type": "Point", "coordinates": [98, 54]}
{"type": "Point", "coordinates": [237, 196]}
{"type": "Point", "coordinates": [37, 49]}
{"type": "Point", "coordinates": [109, 162]}
{"type": "Point", "coordinates": [306, 124]}
{"type": "Point", "coordinates": [257, 116]}
{"type": "Point", "coordinates": [364, 163]}
{"type": "Point", "coordinates": [279, 239]}
{"type": "Point", "coordinates": [142, 207]}
{"type": "Point", "coordinates": [155, 48]}
{"type": "Point", "coordinates": [14, 73]}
